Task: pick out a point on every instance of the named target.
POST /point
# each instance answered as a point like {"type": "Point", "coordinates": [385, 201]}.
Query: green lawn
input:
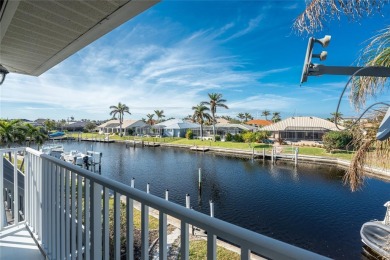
{"type": "Point", "coordinates": [315, 151]}
{"type": "Point", "coordinates": [198, 251]}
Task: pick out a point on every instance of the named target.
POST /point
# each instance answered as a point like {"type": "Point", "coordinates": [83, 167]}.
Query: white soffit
{"type": "Point", "coordinates": [36, 35]}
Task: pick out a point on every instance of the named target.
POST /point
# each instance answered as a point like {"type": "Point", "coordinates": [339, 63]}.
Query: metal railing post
{"type": "Point", "coordinates": [16, 190]}
{"type": "Point", "coordinates": [3, 218]}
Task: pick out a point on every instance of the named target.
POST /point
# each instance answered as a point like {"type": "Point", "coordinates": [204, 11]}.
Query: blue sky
{"type": "Point", "coordinates": [172, 55]}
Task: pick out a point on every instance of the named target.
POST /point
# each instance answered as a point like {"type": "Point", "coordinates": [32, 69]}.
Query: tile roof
{"type": "Point", "coordinates": [259, 122]}
{"type": "Point", "coordinates": [301, 123]}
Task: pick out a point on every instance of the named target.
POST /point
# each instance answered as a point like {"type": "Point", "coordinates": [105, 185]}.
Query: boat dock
{"type": "Point", "coordinates": [96, 140]}
{"type": "Point", "coordinates": [133, 143]}
{"type": "Point", "coordinates": [199, 148]}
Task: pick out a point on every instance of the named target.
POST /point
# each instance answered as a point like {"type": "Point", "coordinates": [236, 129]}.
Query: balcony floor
{"type": "Point", "coordinates": [16, 243]}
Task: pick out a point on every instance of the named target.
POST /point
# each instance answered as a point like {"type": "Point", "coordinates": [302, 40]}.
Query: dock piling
{"type": "Point", "coordinates": [211, 208]}
{"type": "Point", "coordinates": [200, 178]}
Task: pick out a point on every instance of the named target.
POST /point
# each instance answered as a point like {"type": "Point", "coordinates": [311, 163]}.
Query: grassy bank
{"type": "Point", "coordinates": [314, 151]}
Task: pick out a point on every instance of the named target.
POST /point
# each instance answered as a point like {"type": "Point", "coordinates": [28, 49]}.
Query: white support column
{"type": "Point", "coordinates": [47, 211]}
{"type": "Point", "coordinates": [62, 213]}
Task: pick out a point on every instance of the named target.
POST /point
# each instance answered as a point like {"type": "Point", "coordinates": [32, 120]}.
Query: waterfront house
{"type": "Point", "coordinates": [300, 128]}
{"type": "Point", "coordinates": [259, 123]}
{"type": "Point", "coordinates": [129, 127]}
{"type": "Point", "coordinates": [175, 128]}
{"type": "Point", "coordinates": [223, 129]}
{"type": "Point", "coordinates": [75, 126]}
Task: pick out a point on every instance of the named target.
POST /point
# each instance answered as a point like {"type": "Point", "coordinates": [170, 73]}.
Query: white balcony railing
{"type": "Point", "coordinates": [69, 220]}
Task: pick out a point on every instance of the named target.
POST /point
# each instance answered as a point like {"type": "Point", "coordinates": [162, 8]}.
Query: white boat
{"type": "Point", "coordinates": [54, 150]}
{"type": "Point", "coordinates": [77, 158]}
{"type": "Point", "coordinates": [376, 234]}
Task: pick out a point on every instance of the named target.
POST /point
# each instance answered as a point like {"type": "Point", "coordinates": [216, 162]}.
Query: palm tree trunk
{"type": "Point", "coordinates": [201, 131]}
{"type": "Point", "coordinates": [213, 115]}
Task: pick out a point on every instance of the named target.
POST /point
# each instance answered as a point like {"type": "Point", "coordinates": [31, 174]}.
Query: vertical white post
{"type": "Point", "coordinates": [67, 213]}
{"type": "Point", "coordinates": [145, 229]}
{"type": "Point", "coordinates": [96, 223]}
{"type": "Point", "coordinates": [117, 234]}
{"type": "Point", "coordinates": [58, 212]}
{"type": "Point", "coordinates": [79, 217]}
{"type": "Point", "coordinates": [296, 156]}
{"type": "Point", "coordinates": [106, 220]}
{"type": "Point", "coordinates": [16, 190]}
{"type": "Point", "coordinates": [200, 178]}
{"type": "Point", "coordinates": [130, 229]}
{"type": "Point", "coordinates": [245, 253]}
{"type": "Point", "coordinates": [87, 219]}
{"type": "Point", "coordinates": [73, 217]}
{"type": "Point", "coordinates": [263, 154]}
{"type": "Point", "coordinates": [163, 232]}
{"type": "Point", "coordinates": [185, 234]}
{"type": "Point", "coordinates": [3, 220]}
{"type": "Point", "coordinates": [26, 186]}
{"type": "Point", "coordinates": [211, 238]}
{"type": "Point", "coordinates": [47, 241]}
{"type": "Point", "coordinates": [62, 212]}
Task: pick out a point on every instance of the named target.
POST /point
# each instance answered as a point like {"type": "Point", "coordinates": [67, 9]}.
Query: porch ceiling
{"type": "Point", "coordinates": [36, 35]}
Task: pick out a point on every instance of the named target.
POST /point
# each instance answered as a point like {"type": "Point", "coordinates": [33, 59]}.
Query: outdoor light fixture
{"type": "Point", "coordinates": [384, 128]}
{"type": "Point", "coordinates": [3, 72]}
{"type": "Point", "coordinates": [310, 69]}
{"type": "Point", "coordinates": [307, 65]}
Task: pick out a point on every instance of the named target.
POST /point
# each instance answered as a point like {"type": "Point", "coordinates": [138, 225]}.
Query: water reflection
{"type": "Point", "coordinates": [307, 205]}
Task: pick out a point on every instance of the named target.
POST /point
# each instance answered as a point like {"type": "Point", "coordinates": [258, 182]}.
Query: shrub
{"type": "Point", "coordinates": [337, 140]}
{"type": "Point", "coordinates": [262, 135]}
{"type": "Point", "coordinates": [238, 138]}
{"type": "Point", "coordinates": [249, 137]}
{"type": "Point", "coordinates": [228, 137]}
{"type": "Point", "coordinates": [189, 134]}
{"type": "Point", "coordinates": [217, 138]}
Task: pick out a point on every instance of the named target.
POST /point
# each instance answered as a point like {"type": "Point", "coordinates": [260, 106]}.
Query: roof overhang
{"type": "Point", "coordinates": [36, 35]}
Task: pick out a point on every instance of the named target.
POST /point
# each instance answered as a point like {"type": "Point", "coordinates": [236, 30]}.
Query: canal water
{"type": "Point", "coordinates": [307, 206]}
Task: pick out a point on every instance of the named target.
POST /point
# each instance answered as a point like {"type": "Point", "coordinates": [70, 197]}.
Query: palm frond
{"type": "Point", "coordinates": [377, 53]}
{"type": "Point", "coordinates": [318, 12]}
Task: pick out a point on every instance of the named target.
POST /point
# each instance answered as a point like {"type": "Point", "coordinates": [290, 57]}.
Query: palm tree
{"type": "Point", "coordinates": [121, 109]}
{"type": "Point", "coordinates": [215, 101]}
{"type": "Point", "coordinates": [159, 114]}
{"type": "Point", "coordinates": [276, 117]}
{"type": "Point", "coordinates": [241, 116]}
{"type": "Point", "coordinates": [150, 119]}
{"type": "Point", "coordinates": [377, 53]}
{"type": "Point", "coordinates": [265, 113]}
{"type": "Point", "coordinates": [247, 117]}
{"type": "Point", "coordinates": [199, 116]}
{"type": "Point", "coordinates": [12, 132]}
{"type": "Point", "coordinates": [337, 116]}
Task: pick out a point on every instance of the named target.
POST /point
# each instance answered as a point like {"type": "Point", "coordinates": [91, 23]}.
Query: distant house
{"type": "Point", "coordinates": [175, 128]}
{"type": "Point", "coordinates": [223, 129]}
{"type": "Point", "coordinates": [129, 127]}
{"type": "Point", "coordinates": [75, 126]}
{"type": "Point", "coordinates": [303, 128]}
{"type": "Point", "coordinates": [222, 121]}
{"type": "Point", "coordinates": [40, 121]}
{"type": "Point", "coordinates": [258, 122]}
